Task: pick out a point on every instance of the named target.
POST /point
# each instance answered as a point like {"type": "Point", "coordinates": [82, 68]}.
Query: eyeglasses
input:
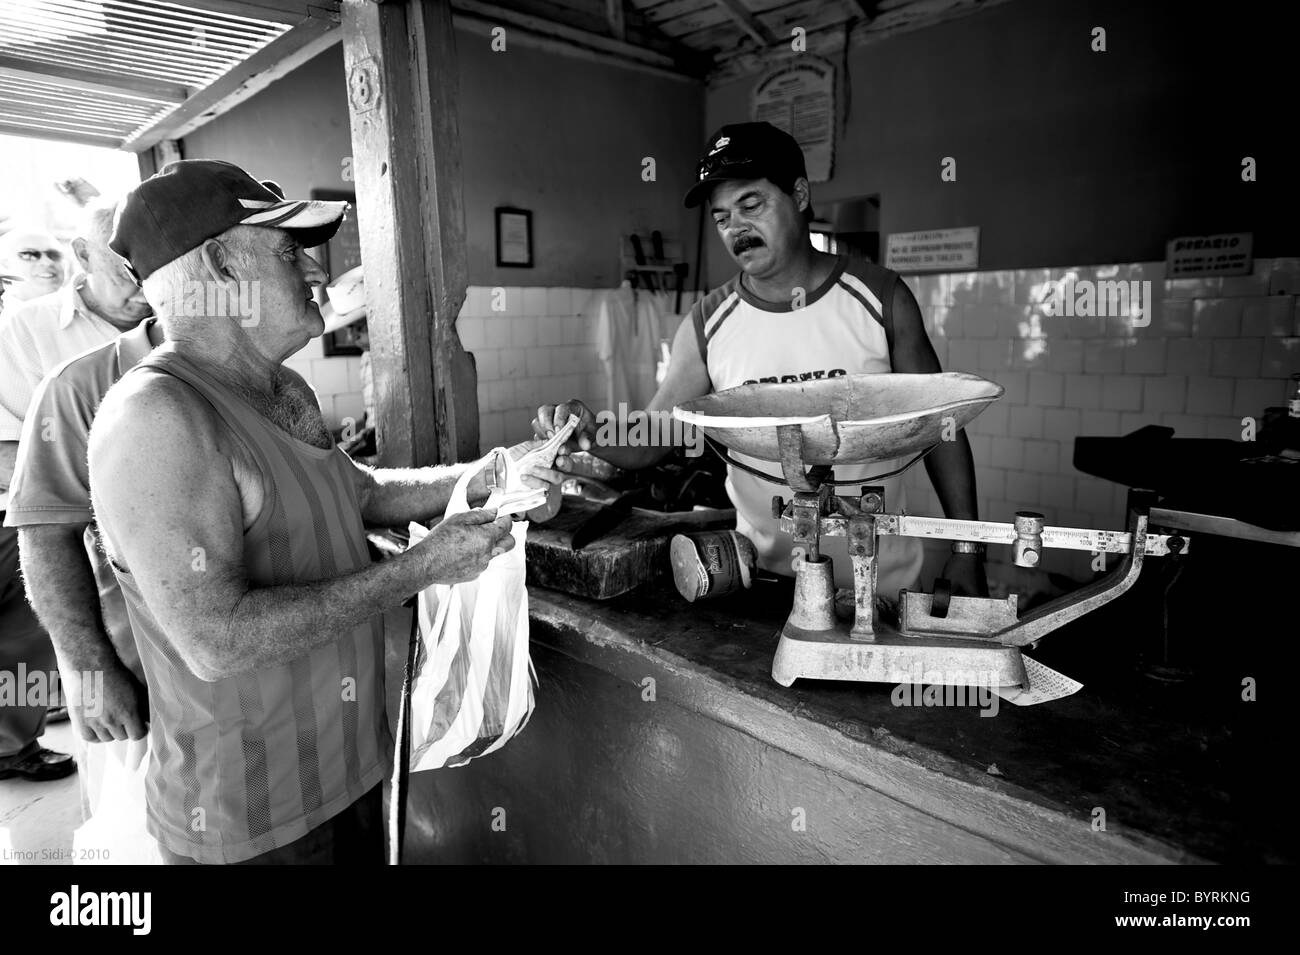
{"type": "Point", "coordinates": [34, 255]}
{"type": "Point", "coordinates": [711, 164]}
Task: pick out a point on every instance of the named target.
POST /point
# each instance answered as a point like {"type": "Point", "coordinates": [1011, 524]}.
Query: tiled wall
{"type": "Point", "coordinates": [1216, 350]}
{"type": "Point", "coordinates": [538, 348]}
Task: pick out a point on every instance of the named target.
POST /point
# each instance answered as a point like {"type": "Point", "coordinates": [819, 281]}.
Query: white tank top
{"type": "Point", "coordinates": [844, 328]}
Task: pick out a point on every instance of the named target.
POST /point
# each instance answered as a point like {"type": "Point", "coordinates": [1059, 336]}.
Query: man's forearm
{"type": "Point", "coordinates": [396, 496]}
{"type": "Point", "coordinates": [951, 467]}
{"type": "Point", "coordinates": [62, 590]}
{"type": "Point", "coordinates": [274, 625]}
{"type": "Point", "coordinates": [643, 429]}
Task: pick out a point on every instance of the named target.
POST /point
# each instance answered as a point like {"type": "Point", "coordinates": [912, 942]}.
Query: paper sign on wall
{"type": "Point", "coordinates": [934, 250]}
{"type": "Point", "coordinates": [1197, 255]}
{"type": "Point", "coordinates": [800, 99]}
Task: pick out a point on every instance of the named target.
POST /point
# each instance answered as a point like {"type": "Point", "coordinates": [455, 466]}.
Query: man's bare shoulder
{"type": "Point", "coordinates": [147, 408]}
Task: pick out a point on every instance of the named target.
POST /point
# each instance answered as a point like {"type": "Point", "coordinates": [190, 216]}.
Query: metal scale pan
{"type": "Point", "coordinates": [852, 419]}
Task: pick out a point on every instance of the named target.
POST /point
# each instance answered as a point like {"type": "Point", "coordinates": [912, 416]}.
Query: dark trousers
{"type": "Point", "coordinates": [353, 837]}
{"type": "Point", "coordinates": [22, 640]}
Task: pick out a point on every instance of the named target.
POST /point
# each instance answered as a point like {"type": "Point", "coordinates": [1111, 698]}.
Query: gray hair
{"type": "Point", "coordinates": [170, 284]}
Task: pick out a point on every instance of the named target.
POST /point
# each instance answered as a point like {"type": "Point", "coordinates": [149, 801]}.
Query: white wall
{"type": "Point", "coordinates": [1216, 350]}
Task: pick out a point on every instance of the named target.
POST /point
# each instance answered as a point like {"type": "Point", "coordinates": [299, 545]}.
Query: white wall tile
{"type": "Point", "coordinates": [1042, 457]}
{"type": "Point", "coordinates": [1102, 357]}
{"type": "Point", "coordinates": [523, 330]}
{"type": "Point", "coordinates": [1281, 357]}
{"type": "Point", "coordinates": [1168, 393]}
{"type": "Point", "coordinates": [1061, 424]}
{"type": "Point", "coordinates": [538, 362]}
{"type": "Point", "coordinates": [1252, 395]}
{"type": "Point", "coordinates": [1082, 391]}
{"type": "Point", "coordinates": [512, 362]}
{"type": "Point", "coordinates": [964, 355]}
{"type": "Point", "coordinates": [1235, 286]}
{"type": "Point", "coordinates": [487, 362]}
{"type": "Point", "coordinates": [982, 321]}
{"type": "Point", "coordinates": [1100, 424]}
{"type": "Point", "coordinates": [1174, 319]}
{"type": "Point", "coordinates": [1285, 277]}
{"type": "Point", "coordinates": [1057, 490]}
{"type": "Point", "coordinates": [1216, 318]}
{"type": "Point", "coordinates": [1023, 488]}
{"type": "Point", "coordinates": [497, 332]}
{"type": "Point", "coordinates": [1025, 421]}
{"type": "Point", "coordinates": [1046, 390]}
{"type": "Point", "coordinates": [1188, 356]}
{"type": "Point", "coordinates": [994, 356]}
{"type": "Point", "coordinates": [1192, 288]}
{"type": "Point", "coordinates": [1237, 357]}
{"type": "Point", "coordinates": [1121, 392]}
{"type": "Point", "coordinates": [1007, 452]}
{"type": "Point", "coordinates": [559, 302]}
{"type": "Point", "coordinates": [534, 301]}
{"type": "Point", "coordinates": [329, 376]}
{"type": "Point", "coordinates": [472, 332]}
{"type": "Point", "coordinates": [1272, 315]}
{"type": "Point", "coordinates": [1145, 357]}
{"type": "Point", "coordinates": [1065, 356]}
{"type": "Point", "coordinates": [348, 407]}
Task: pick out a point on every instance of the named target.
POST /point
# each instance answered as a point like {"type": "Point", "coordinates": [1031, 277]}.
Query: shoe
{"type": "Point", "coordinates": [39, 766]}
{"type": "Point", "coordinates": [56, 714]}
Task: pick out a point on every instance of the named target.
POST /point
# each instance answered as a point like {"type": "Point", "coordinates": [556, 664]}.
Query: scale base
{"type": "Point", "coordinates": [890, 657]}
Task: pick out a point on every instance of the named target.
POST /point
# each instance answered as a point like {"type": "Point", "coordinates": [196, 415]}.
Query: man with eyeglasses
{"type": "Point", "coordinates": [793, 313]}
{"type": "Point", "coordinates": [31, 265]}
{"type": "Point", "coordinates": [35, 337]}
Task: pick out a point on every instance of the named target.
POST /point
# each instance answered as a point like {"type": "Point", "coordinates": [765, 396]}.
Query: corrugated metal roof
{"type": "Point", "coordinates": [101, 70]}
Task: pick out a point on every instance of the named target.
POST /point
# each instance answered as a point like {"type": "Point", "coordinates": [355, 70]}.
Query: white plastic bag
{"type": "Point", "coordinates": [117, 834]}
{"type": "Point", "coordinates": [473, 686]}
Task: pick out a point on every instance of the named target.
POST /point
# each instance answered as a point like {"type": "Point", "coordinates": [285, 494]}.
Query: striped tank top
{"type": "Point", "coordinates": [252, 762]}
{"type": "Point", "coordinates": [845, 327]}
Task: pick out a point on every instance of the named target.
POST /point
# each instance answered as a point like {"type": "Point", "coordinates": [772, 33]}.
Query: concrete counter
{"type": "Point", "coordinates": [659, 736]}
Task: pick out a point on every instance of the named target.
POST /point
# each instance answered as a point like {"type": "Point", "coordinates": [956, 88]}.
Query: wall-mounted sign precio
{"type": "Point", "coordinates": [800, 99]}
{"type": "Point", "coordinates": [1192, 256]}
{"type": "Point", "coordinates": [934, 250]}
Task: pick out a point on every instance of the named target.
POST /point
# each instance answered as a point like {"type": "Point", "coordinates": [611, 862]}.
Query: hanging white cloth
{"type": "Point", "coordinates": [630, 329]}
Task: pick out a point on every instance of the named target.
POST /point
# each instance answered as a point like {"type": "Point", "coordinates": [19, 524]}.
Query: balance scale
{"type": "Point", "coordinates": [810, 427]}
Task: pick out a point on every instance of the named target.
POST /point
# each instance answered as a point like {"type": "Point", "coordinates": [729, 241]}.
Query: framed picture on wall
{"type": "Point", "coordinates": [514, 237]}
{"type": "Point", "coordinates": [341, 253]}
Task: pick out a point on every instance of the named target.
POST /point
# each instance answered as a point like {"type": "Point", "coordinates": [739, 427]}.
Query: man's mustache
{"type": "Point", "coordinates": [746, 242]}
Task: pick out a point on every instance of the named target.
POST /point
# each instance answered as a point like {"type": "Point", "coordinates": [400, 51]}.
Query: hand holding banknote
{"type": "Point", "coordinates": [536, 461]}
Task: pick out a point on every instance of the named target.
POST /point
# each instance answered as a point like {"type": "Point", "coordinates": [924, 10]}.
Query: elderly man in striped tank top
{"type": "Point", "coordinates": [236, 530]}
{"type": "Point", "coordinates": [792, 313]}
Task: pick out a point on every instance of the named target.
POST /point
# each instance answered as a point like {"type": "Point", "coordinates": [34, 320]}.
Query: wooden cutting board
{"type": "Point", "coordinates": [631, 554]}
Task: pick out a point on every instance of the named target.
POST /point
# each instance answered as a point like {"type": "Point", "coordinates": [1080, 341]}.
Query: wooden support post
{"type": "Point", "coordinates": [401, 74]}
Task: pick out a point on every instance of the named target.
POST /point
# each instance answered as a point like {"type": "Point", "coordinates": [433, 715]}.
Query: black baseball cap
{"type": "Point", "coordinates": [746, 151]}
{"type": "Point", "coordinates": [189, 201]}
